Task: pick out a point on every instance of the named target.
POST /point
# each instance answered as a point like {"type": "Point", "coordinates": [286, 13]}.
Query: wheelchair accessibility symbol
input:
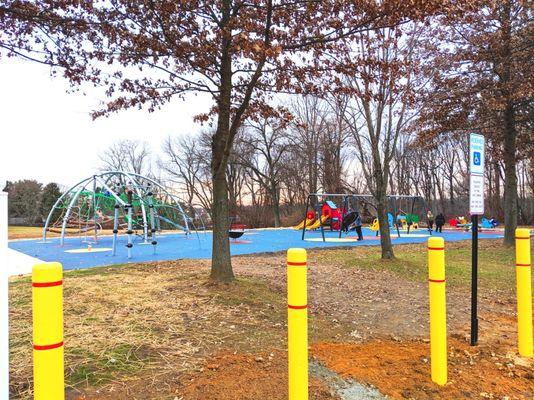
{"type": "Point", "coordinates": [476, 158]}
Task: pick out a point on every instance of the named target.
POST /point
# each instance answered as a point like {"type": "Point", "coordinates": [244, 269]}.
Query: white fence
{"type": "Point", "coordinates": [4, 306]}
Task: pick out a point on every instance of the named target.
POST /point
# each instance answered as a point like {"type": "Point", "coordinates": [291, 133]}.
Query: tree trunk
{"type": "Point", "coordinates": [221, 263]}
{"type": "Point", "coordinates": [381, 209]}
{"type": "Point", "coordinates": [497, 209]}
{"type": "Point", "coordinates": [385, 237]}
{"type": "Point", "coordinates": [276, 204]}
{"type": "Point", "coordinates": [510, 178]}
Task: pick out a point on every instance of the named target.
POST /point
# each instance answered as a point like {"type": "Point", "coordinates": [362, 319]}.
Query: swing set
{"type": "Point", "coordinates": [337, 212]}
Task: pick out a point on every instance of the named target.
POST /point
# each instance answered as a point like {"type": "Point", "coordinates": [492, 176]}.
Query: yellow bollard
{"type": "Point", "coordinates": [524, 292]}
{"type": "Point", "coordinates": [47, 293]}
{"type": "Point", "coordinates": [438, 310]}
{"type": "Point", "coordinates": [297, 324]}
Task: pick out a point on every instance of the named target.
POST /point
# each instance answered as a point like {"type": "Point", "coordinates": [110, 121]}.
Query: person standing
{"type": "Point", "coordinates": [440, 221]}
{"type": "Point", "coordinates": [358, 225]}
{"type": "Point", "coordinates": [430, 218]}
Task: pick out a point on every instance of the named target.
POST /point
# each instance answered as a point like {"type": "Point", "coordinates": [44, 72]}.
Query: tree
{"type": "Point", "coordinates": [185, 163]}
{"type": "Point", "coordinates": [381, 107]}
{"type": "Point", "coordinates": [482, 80]}
{"type": "Point", "coordinates": [264, 143]}
{"type": "Point", "coordinates": [128, 156]}
{"type": "Point", "coordinates": [147, 52]}
{"type": "Point", "coordinates": [49, 195]}
{"type": "Point", "coordinates": [25, 200]}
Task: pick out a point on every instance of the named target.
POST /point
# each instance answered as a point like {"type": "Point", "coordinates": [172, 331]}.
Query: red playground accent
{"type": "Point", "coordinates": [333, 214]}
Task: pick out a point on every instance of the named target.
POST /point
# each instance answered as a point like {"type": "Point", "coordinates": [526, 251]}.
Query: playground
{"type": "Point", "coordinates": [158, 330]}
{"type": "Point", "coordinates": [76, 254]}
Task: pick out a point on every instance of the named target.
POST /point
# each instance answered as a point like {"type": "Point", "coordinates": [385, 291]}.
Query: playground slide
{"type": "Point", "coordinates": [374, 226]}
{"type": "Point", "coordinates": [307, 221]}
{"type": "Point", "coordinates": [317, 223]}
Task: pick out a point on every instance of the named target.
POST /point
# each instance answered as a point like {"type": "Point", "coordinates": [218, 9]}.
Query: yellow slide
{"type": "Point", "coordinates": [317, 223]}
{"type": "Point", "coordinates": [307, 221]}
{"type": "Point", "coordinates": [374, 226]}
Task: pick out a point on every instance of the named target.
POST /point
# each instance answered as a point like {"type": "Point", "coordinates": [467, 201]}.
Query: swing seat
{"type": "Point", "coordinates": [236, 231]}
{"type": "Point", "coordinates": [235, 234]}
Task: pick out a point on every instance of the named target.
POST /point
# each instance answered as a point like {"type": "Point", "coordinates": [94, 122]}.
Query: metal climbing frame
{"type": "Point", "coordinates": [104, 195]}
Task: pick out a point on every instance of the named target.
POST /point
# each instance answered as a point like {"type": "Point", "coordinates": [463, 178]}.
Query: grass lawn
{"type": "Point", "coordinates": [161, 331]}
{"type": "Point", "coordinates": [495, 263]}
{"type": "Point", "coordinates": [24, 232]}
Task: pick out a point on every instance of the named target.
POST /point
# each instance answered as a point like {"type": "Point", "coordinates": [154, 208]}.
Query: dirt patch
{"type": "Point", "coordinates": [401, 370]}
{"type": "Point", "coordinates": [240, 376]}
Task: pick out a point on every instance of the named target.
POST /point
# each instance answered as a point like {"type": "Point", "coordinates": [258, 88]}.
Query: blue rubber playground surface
{"type": "Point", "coordinates": [77, 254]}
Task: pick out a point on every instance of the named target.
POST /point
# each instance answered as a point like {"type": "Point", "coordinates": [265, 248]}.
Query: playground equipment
{"type": "Point", "coordinates": [118, 201]}
{"type": "Point", "coordinates": [332, 216]}
{"type": "Point", "coordinates": [307, 222]}
{"type": "Point", "coordinates": [236, 231]}
{"type": "Point", "coordinates": [375, 226]}
{"type": "Point", "coordinates": [438, 310]}
{"type": "Point", "coordinates": [462, 223]}
{"type": "Point", "coordinates": [48, 361]}
{"type": "Point", "coordinates": [524, 292]}
{"type": "Point", "coordinates": [297, 324]}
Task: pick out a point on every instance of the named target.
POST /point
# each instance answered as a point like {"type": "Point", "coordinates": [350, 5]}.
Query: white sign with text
{"type": "Point", "coordinates": [476, 169]}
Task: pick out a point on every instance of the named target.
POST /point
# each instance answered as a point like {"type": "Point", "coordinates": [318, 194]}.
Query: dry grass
{"type": "Point", "coordinates": [121, 320]}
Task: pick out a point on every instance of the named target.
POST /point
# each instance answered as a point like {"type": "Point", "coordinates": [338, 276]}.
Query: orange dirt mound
{"type": "Point", "coordinates": [402, 369]}
{"type": "Point", "coordinates": [244, 376]}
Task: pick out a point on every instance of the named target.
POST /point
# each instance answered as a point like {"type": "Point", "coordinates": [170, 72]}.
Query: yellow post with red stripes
{"type": "Point", "coordinates": [438, 310]}
{"type": "Point", "coordinates": [524, 291]}
{"type": "Point", "coordinates": [297, 324]}
{"type": "Point", "coordinates": [47, 298]}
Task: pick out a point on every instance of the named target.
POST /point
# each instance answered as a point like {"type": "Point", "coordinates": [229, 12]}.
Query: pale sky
{"type": "Point", "coordinates": [48, 135]}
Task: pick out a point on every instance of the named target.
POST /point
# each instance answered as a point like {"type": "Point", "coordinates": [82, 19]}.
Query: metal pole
{"type": "Point", "coordinates": [474, 280]}
{"type": "Point", "coordinates": [129, 245]}
{"type": "Point", "coordinates": [154, 241]}
{"type": "Point", "coordinates": [94, 211]}
{"type": "Point", "coordinates": [4, 304]}
{"type": "Point", "coordinates": [305, 216]}
{"type": "Point", "coordinates": [321, 223]}
{"type": "Point", "coordinates": [115, 227]}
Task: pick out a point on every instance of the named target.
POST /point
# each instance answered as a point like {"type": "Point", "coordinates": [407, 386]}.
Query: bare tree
{"type": "Point", "coordinates": [185, 163]}
{"type": "Point", "coordinates": [380, 110]}
{"type": "Point", "coordinates": [264, 143]}
{"type": "Point", "coordinates": [129, 156]}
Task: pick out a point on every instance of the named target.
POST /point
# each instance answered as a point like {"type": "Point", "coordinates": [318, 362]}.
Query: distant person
{"type": "Point", "coordinates": [430, 218]}
{"type": "Point", "coordinates": [358, 225]}
{"type": "Point", "coordinates": [440, 221]}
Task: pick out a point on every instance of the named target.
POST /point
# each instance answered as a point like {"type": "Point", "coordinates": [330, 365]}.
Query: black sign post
{"type": "Point", "coordinates": [474, 279]}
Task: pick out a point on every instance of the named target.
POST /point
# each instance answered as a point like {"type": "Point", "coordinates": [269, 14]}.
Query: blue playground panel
{"type": "Point", "coordinates": [75, 255]}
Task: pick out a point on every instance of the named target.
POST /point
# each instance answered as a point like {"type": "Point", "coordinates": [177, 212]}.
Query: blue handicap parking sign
{"type": "Point", "coordinates": [476, 158]}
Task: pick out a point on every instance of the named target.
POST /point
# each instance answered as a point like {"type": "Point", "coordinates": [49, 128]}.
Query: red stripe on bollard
{"type": "Point", "coordinates": [522, 265]}
{"type": "Point", "coordinates": [48, 346]}
{"type": "Point", "coordinates": [436, 248]}
{"type": "Point", "coordinates": [526, 238]}
{"type": "Point", "coordinates": [437, 280]}
{"type": "Point", "coordinates": [47, 284]}
{"type": "Point", "coordinates": [297, 264]}
{"type": "Point", "coordinates": [297, 307]}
